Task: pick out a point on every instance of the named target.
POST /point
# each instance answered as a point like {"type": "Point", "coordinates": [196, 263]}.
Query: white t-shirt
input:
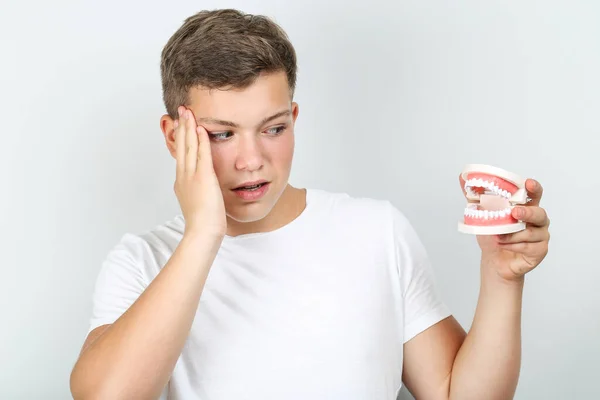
{"type": "Point", "coordinates": [318, 309]}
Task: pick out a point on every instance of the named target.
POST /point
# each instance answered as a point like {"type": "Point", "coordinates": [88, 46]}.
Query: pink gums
{"type": "Point", "coordinates": [501, 183]}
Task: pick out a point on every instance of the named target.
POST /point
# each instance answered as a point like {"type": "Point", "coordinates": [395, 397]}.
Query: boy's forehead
{"type": "Point", "coordinates": [265, 97]}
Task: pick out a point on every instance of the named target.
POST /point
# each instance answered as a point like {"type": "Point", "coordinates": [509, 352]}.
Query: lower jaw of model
{"type": "Point", "coordinates": [492, 193]}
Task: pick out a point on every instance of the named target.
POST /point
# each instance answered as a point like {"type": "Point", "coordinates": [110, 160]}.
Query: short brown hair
{"type": "Point", "coordinates": [223, 48]}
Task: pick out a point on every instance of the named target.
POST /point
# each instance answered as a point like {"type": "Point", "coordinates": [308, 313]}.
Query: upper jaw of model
{"type": "Point", "coordinates": [480, 185]}
{"type": "Point", "coordinates": [492, 193]}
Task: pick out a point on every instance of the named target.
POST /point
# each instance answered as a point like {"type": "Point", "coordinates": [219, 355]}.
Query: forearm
{"type": "Point", "coordinates": [488, 363]}
{"type": "Point", "coordinates": [135, 356]}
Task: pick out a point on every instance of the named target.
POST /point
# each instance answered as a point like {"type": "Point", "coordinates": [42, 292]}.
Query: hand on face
{"type": "Point", "coordinates": [196, 184]}
{"type": "Point", "coordinates": [513, 255]}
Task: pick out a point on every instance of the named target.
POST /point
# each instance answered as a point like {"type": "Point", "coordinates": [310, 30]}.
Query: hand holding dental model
{"type": "Point", "coordinates": [503, 211]}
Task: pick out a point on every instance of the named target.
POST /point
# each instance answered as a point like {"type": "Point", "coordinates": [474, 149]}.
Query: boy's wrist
{"type": "Point", "coordinates": [202, 240]}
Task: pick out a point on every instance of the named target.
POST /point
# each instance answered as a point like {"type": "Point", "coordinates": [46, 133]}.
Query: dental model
{"type": "Point", "coordinates": [493, 192]}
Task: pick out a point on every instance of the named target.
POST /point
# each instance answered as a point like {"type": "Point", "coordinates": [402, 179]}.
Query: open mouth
{"type": "Point", "coordinates": [253, 192]}
{"type": "Point", "coordinates": [492, 193]}
{"type": "Point", "coordinates": [250, 188]}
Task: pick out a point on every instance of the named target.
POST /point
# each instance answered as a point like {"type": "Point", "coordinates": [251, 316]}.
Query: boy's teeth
{"type": "Point", "coordinates": [251, 187]}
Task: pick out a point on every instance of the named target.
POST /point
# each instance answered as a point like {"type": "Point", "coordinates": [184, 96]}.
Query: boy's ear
{"type": "Point", "coordinates": [295, 110]}
{"type": "Point", "coordinates": [166, 126]}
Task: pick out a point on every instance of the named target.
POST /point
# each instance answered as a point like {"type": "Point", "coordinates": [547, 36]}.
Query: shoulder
{"type": "Point", "coordinates": [149, 249]}
{"type": "Point", "coordinates": [343, 202]}
{"type": "Point", "coordinates": [364, 212]}
{"type": "Point", "coordinates": [360, 206]}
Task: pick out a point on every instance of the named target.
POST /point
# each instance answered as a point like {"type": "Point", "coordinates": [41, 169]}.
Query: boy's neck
{"type": "Point", "coordinates": [290, 205]}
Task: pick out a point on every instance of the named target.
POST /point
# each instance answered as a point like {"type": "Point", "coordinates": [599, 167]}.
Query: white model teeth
{"type": "Point", "coordinates": [489, 186]}
{"type": "Point", "coordinates": [487, 214]}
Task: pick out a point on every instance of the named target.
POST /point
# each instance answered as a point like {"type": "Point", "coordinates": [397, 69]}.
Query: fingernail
{"type": "Point", "coordinates": [176, 124]}
{"type": "Point", "coordinates": [179, 111]}
{"type": "Point", "coordinates": [519, 212]}
{"type": "Point", "coordinates": [187, 114]}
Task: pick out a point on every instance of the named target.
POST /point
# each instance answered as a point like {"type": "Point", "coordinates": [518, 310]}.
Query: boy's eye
{"type": "Point", "coordinates": [219, 135]}
{"type": "Point", "coordinates": [276, 130]}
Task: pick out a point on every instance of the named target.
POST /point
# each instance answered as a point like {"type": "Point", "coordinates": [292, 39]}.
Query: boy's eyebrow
{"type": "Point", "coordinates": [234, 125]}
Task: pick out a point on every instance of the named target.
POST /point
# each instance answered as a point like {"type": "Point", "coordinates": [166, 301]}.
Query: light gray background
{"type": "Point", "coordinates": [395, 97]}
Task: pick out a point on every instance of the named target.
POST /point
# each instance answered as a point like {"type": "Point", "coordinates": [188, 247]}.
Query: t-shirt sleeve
{"type": "Point", "coordinates": [120, 281]}
{"type": "Point", "coordinates": [422, 303]}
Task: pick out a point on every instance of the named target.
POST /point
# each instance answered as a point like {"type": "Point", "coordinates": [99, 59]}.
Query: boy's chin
{"type": "Point", "coordinates": [247, 213]}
